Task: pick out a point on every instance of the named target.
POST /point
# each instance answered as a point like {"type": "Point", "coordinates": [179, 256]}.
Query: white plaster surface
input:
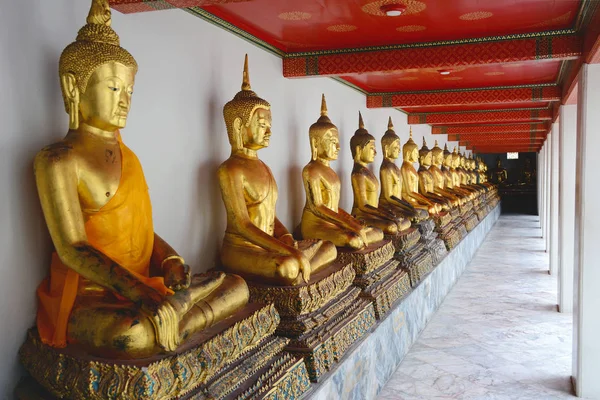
{"type": "Point", "coordinates": [497, 335]}
{"type": "Point", "coordinates": [554, 220]}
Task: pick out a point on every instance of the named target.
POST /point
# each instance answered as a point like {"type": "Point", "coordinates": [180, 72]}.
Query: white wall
{"type": "Point", "coordinates": [188, 70]}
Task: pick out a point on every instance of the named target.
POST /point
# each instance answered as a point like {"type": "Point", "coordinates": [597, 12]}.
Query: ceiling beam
{"type": "Point", "coordinates": [427, 56]}
{"type": "Point", "coordinates": [478, 129]}
{"type": "Point", "coordinates": [492, 137]}
{"type": "Point", "coordinates": [479, 117]}
{"type": "Point", "coordinates": [136, 6]}
{"type": "Point", "coordinates": [491, 95]}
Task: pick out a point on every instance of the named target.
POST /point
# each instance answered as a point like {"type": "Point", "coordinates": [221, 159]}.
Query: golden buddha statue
{"type": "Point", "coordinates": [115, 288]}
{"type": "Point", "coordinates": [499, 174]}
{"type": "Point", "coordinates": [458, 175]}
{"type": "Point", "coordinates": [256, 245]}
{"type": "Point", "coordinates": [391, 178]}
{"type": "Point", "coordinates": [426, 178]}
{"type": "Point", "coordinates": [365, 186]}
{"type": "Point", "coordinates": [410, 179]}
{"type": "Point", "coordinates": [322, 218]}
{"type": "Point", "coordinates": [439, 179]}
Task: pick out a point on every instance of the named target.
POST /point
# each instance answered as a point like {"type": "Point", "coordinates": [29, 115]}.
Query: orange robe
{"type": "Point", "coordinates": [122, 230]}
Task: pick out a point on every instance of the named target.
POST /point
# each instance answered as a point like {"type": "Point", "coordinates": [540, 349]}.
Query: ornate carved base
{"type": "Point", "coordinates": [426, 227]}
{"type": "Point", "coordinates": [235, 359]}
{"type": "Point", "coordinates": [451, 238]}
{"type": "Point", "coordinates": [315, 315]}
{"type": "Point", "coordinates": [471, 221]}
{"type": "Point", "coordinates": [437, 249]}
{"type": "Point", "coordinates": [368, 259]}
{"type": "Point", "coordinates": [417, 261]}
{"type": "Point", "coordinates": [405, 239]}
{"type": "Point", "coordinates": [442, 220]}
{"type": "Point", "coordinates": [325, 346]}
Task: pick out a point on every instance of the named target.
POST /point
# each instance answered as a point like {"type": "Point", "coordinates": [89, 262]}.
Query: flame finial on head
{"type": "Point", "coordinates": [323, 106]}
{"type": "Point", "coordinates": [435, 144]}
{"type": "Point", "coordinates": [246, 75]}
{"type": "Point", "coordinates": [361, 124]}
{"type": "Point", "coordinates": [390, 124]}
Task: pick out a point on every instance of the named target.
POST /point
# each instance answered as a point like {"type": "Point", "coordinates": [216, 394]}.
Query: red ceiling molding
{"type": "Point", "coordinates": [482, 137]}
{"type": "Point", "coordinates": [136, 6]}
{"type": "Point", "coordinates": [481, 129]}
{"type": "Point", "coordinates": [365, 60]}
{"type": "Point", "coordinates": [463, 97]}
{"type": "Point", "coordinates": [526, 115]}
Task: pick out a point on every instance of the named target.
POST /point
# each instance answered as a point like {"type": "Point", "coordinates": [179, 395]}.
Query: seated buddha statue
{"type": "Point", "coordinates": [458, 175]}
{"type": "Point", "coordinates": [322, 217]}
{"type": "Point", "coordinates": [365, 186]}
{"type": "Point", "coordinates": [426, 179]}
{"type": "Point", "coordinates": [499, 174]}
{"type": "Point", "coordinates": [115, 288]}
{"type": "Point", "coordinates": [439, 180]}
{"type": "Point", "coordinates": [410, 179]}
{"type": "Point", "coordinates": [391, 179]}
{"type": "Point", "coordinates": [451, 176]}
{"type": "Point", "coordinates": [256, 245]}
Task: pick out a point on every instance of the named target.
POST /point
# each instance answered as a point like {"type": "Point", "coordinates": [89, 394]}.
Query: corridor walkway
{"type": "Point", "coordinates": [497, 335]}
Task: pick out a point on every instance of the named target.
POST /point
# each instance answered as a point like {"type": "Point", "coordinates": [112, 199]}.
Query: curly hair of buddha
{"type": "Point", "coordinates": [96, 44]}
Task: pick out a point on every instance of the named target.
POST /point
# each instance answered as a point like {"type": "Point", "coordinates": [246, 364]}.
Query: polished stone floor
{"type": "Point", "coordinates": [497, 335]}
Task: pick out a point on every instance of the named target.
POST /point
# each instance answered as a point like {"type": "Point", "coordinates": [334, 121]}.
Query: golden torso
{"type": "Point", "coordinates": [391, 179]}
{"type": "Point", "coordinates": [328, 184]}
{"type": "Point", "coordinates": [371, 185]}
{"type": "Point", "coordinates": [425, 181]}
{"type": "Point", "coordinates": [410, 179]}
{"type": "Point", "coordinates": [260, 191]}
{"type": "Point", "coordinates": [438, 177]}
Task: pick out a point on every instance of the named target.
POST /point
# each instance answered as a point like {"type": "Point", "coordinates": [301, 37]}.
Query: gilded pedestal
{"type": "Point", "coordinates": [238, 358]}
{"type": "Point", "coordinates": [378, 275]}
{"type": "Point", "coordinates": [321, 318]}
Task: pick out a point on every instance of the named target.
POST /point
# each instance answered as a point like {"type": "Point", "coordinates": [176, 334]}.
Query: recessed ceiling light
{"type": "Point", "coordinates": [393, 10]}
{"type": "Point", "coordinates": [444, 72]}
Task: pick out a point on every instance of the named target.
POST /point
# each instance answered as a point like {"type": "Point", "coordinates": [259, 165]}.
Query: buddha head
{"type": "Point", "coordinates": [410, 150]}
{"type": "Point", "coordinates": [390, 142]}
{"type": "Point", "coordinates": [324, 137]}
{"type": "Point", "coordinates": [425, 155]}
{"type": "Point", "coordinates": [455, 158]}
{"type": "Point", "coordinates": [362, 144]}
{"type": "Point", "coordinates": [437, 155]}
{"type": "Point", "coordinates": [247, 117]}
{"type": "Point", "coordinates": [448, 157]}
{"type": "Point", "coordinates": [498, 163]}
{"type": "Point", "coordinates": [96, 74]}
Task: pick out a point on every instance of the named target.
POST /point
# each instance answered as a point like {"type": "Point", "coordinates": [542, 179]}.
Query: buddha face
{"type": "Point", "coordinates": [393, 150]}
{"type": "Point", "coordinates": [106, 101]}
{"type": "Point", "coordinates": [425, 159]}
{"type": "Point", "coordinates": [437, 158]}
{"type": "Point", "coordinates": [368, 152]}
{"type": "Point", "coordinates": [448, 159]}
{"type": "Point", "coordinates": [412, 154]}
{"type": "Point", "coordinates": [257, 133]}
{"type": "Point", "coordinates": [328, 147]}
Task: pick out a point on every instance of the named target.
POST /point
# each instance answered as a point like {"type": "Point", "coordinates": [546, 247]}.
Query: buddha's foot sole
{"type": "Point", "coordinates": [324, 347]}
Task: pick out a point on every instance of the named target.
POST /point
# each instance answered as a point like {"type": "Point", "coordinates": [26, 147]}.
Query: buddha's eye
{"type": "Point", "coordinates": [114, 89]}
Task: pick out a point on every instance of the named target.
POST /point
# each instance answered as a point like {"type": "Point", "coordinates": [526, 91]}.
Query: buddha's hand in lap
{"type": "Point", "coordinates": [177, 275]}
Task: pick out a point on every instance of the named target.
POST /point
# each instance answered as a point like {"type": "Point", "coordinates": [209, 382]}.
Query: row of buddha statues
{"type": "Point", "coordinates": [121, 316]}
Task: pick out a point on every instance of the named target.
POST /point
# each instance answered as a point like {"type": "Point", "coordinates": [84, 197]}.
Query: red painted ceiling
{"type": "Point", "coordinates": [542, 71]}
{"type": "Point", "coordinates": [470, 38]}
{"type": "Point", "coordinates": [293, 25]}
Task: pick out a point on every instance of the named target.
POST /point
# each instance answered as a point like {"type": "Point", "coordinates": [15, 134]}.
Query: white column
{"type": "Point", "coordinates": [548, 188]}
{"type": "Point", "coordinates": [540, 177]}
{"type": "Point", "coordinates": [566, 205]}
{"type": "Point", "coordinates": [586, 307]}
{"type": "Point", "coordinates": [554, 222]}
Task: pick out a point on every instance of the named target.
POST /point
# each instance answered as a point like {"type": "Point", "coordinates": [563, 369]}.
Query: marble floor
{"type": "Point", "coordinates": [497, 335]}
